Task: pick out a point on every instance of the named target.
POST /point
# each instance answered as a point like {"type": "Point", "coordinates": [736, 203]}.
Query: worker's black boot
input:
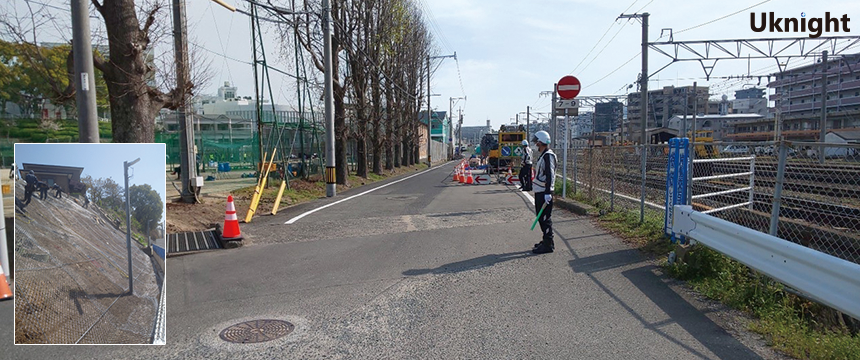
{"type": "Point", "coordinates": [543, 248]}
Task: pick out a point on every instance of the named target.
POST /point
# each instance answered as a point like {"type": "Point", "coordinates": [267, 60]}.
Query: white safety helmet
{"type": "Point", "coordinates": [525, 143]}
{"type": "Point", "coordinates": [542, 136]}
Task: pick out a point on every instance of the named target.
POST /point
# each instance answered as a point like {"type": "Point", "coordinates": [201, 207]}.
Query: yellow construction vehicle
{"type": "Point", "coordinates": [509, 149]}
{"type": "Point", "coordinates": [704, 151]}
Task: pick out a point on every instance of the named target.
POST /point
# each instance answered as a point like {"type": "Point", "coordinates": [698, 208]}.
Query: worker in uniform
{"type": "Point", "coordinates": [58, 189]}
{"type": "Point", "coordinates": [43, 190]}
{"type": "Point", "coordinates": [526, 170]}
{"type": "Point", "coordinates": [544, 186]}
{"type": "Point", "coordinates": [12, 171]}
{"type": "Point", "coordinates": [31, 180]}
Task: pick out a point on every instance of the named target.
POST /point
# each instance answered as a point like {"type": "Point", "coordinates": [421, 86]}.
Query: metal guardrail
{"type": "Point", "coordinates": [820, 277]}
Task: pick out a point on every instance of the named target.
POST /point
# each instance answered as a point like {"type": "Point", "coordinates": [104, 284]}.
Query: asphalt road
{"type": "Point", "coordinates": [426, 268]}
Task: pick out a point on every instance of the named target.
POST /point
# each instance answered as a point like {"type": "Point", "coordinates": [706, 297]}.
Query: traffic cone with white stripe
{"type": "Point", "coordinates": [469, 179]}
{"type": "Point", "coordinates": [462, 178]}
{"type": "Point", "coordinates": [5, 292]}
{"type": "Point", "coordinates": [457, 173]}
{"type": "Point", "coordinates": [231, 223]}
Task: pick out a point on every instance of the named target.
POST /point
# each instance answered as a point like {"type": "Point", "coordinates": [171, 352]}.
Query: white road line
{"type": "Point", "coordinates": [297, 218]}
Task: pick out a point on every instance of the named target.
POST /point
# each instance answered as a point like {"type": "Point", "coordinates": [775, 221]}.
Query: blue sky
{"type": "Point", "coordinates": [102, 161]}
{"type": "Point", "coordinates": [508, 51]}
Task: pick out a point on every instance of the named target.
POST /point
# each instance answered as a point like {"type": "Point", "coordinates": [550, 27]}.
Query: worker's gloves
{"type": "Point", "coordinates": [547, 198]}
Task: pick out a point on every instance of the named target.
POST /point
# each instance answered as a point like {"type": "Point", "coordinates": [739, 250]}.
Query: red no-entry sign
{"type": "Point", "coordinates": [568, 87]}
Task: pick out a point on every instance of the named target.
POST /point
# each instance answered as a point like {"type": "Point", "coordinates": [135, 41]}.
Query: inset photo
{"type": "Point", "coordinates": [89, 243]}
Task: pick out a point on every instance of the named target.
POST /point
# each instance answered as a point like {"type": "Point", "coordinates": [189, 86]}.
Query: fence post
{"type": "Point", "coordinates": [574, 170]}
{"type": "Point", "coordinates": [591, 173]}
{"type": "Point", "coordinates": [752, 183]}
{"type": "Point", "coordinates": [643, 169]}
{"type": "Point", "coordinates": [612, 182]}
{"type": "Point", "coordinates": [777, 192]}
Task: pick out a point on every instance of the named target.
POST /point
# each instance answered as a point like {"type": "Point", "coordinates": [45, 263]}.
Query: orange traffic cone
{"type": "Point", "coordinates": [462, 176]}
{"type": "Point", "coordinates": [231, 223]}
{"type": "Point", "coordinates": [5, 292]}
{"type": "Point", "coordinates": [469, 179]}
{"type": "Point", "coordinates": [457, 173]}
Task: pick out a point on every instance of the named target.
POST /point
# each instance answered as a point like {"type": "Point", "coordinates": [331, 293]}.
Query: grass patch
{"type": "Point", "coordinates": [791, 324]}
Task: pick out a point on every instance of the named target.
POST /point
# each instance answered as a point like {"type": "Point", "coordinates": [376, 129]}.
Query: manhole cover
{"type": "Point", "coordinates": [257, 331]}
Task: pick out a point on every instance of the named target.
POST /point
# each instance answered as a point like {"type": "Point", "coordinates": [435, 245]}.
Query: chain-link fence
{"type": "Point", "coordinates": [71, 280]}
{"type": "Point", "coordinates": [798, 194]}
{"type": "Point", "coordinates": [228, 147]}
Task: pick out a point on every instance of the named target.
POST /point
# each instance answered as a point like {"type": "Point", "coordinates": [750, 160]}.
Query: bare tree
{"type": "Point", "coordinates": [129, 71]}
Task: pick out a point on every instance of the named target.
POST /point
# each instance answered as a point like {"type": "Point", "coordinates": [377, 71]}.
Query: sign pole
{"type": "Point", "coordinates": [564, 167]}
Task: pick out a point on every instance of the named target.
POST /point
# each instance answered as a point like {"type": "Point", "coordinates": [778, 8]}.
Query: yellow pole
{"type": "Point", "coordinates": [258, 192]}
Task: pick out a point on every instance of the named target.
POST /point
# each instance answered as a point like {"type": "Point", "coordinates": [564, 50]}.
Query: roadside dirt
{"type": "Point", "coordinates": [182, 217]}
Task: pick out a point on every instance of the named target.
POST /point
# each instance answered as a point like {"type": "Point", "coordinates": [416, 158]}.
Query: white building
{"type": "Point", "coordinates": [228, 103]}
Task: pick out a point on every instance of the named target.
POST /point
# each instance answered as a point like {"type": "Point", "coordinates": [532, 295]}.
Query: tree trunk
{"type": "Point", "coordinates": [341, 169]}
{"type": "Point", "coordinates": [361, 155]}
{"type": "Point", "coordinates": [134, 104]}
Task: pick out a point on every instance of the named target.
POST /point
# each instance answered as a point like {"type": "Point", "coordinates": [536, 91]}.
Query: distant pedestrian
{"type": "Point", "coordinates": [43, 190]}
{"type": "Point", "coordinates": [31, 180]}
{"type": "Point", "coordinates": [544, 186]}
{"type": "Point", "coordinates": [86, 201]}
{"type": "Point", "coordinates": [526, 170]}
{"type": "Point", "coordinates": [59, 190]}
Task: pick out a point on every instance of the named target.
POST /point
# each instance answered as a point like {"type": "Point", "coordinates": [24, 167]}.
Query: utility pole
{"type": "Point", "coordinates": [460, 130]}
{"type": "Point", "coordinates": [330, 179]}
{"type": "Point", "coordinates": [451, 125]}
{"type": "Point", "coordinates": [823, 124]}
{"type": "Point", "coordinates": [186, 142]}
{"type": "Point", "coordinates": [126, 165]}
{"type": "Point", "coordinates": [429, 111]}
{"type": "Point", "coordinates": [527, 121]}
{"type": "Point", "coordinates": [85, 81]}
{"type": "Point", "coordinates": [643, 106]}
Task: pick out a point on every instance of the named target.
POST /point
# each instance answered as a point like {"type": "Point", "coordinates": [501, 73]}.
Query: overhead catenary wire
{"type": "Point", "coordinates": [613, 23]}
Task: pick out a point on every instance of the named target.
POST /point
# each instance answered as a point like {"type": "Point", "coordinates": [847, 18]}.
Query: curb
{"type": "Point", "coordinates": [577, 207]}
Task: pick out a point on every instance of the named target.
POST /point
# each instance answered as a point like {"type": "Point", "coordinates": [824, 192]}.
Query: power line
{"type": "Point", "coordinates": [460, 77]}
{"type": "Point", "coordinates": [604, 48]}
{"type": "Point", "coordinates": [601, 38]}
{"type": "Point", "coordinates": [613, 71]}
{"type": "Point", "coordinates": [721, 18]}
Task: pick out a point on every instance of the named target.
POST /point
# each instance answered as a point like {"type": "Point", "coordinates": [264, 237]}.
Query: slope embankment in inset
{"type": "Point", "coordinates": [71, 276]}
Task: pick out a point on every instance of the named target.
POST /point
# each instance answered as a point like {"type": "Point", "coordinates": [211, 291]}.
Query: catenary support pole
{"type": "Point", "coordinates": [644, 113]}
{"type": "Point", "coordinates": [823, 124]}
{"type": "Point", "coordinates": [85, 81]}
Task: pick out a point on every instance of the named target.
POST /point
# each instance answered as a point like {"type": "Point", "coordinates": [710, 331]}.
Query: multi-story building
{"type": "Point", "coordinates": [608, 115]}
{"type": "Point", "coordinates": [750, 101]}
{"type": "Point", "coordinates": [582, 125]}
{"type": "Point", "coordinates": [667, 102]}
{"type": "Point", "coordinates": [798, 100]}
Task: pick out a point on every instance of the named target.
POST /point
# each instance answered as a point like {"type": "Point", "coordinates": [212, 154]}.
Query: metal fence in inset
{"type": "Point", "coordinates": [71, 279]}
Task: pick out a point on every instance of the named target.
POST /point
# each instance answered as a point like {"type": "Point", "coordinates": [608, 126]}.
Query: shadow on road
{"type": "Point", "coordinates": [470, 264]}
{"type": "Point", "coordinates": [680, 312]}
